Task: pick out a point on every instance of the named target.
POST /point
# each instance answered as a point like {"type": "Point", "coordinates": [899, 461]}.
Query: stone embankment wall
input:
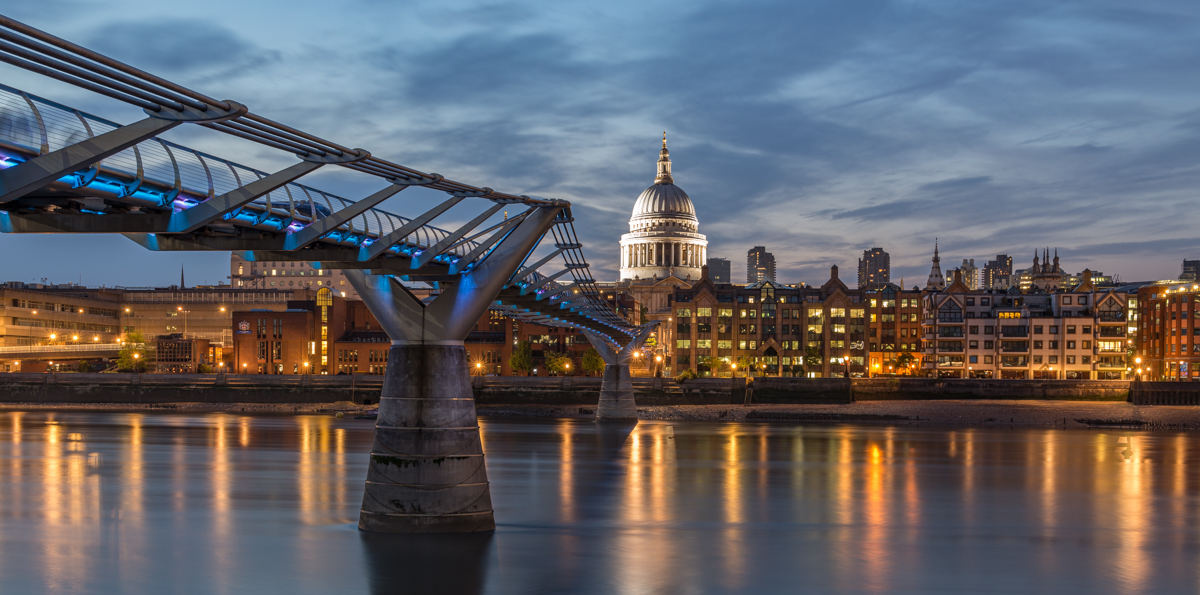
{"type": "Point", "coordinates": [186, 388]}
{"type": "Point", "coordinates": [512, 390]}
{"type": "Point", "coordinates": [1165, 393]}
{"type": "Point", "coordinates": [882, 389]}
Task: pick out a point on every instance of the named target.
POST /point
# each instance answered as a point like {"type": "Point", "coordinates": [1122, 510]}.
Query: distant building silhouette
{"type": "Point", "coordinates": [996, 272]}
{"type": "Point", "coordinates": [874, 269]}
{"type": "Point", "coordinates": [718, 270]}
{"type": "Point", "coordinates": [760, 265]}
{"type": "Point", "coordinates": [1191, 270]}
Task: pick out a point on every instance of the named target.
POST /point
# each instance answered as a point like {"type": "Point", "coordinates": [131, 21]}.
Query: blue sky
{"type": "Point", "coordinates": [818, 129]}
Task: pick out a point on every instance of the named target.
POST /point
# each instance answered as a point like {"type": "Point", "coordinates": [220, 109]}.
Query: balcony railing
{"type": "Point", "coordinates": [1111, 316]}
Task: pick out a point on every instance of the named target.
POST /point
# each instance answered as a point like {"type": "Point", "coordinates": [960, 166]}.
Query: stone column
{"type": "Point", "coordinates": [616, 389]}
{"type": "Point", "coordinates": [616, 394]}
{"type": "Point", "coordinates": [426, 473]}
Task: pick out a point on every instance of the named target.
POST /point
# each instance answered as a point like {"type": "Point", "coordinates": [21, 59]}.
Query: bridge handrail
{"type": "Point", "coordinates": [37, 51]}
{"type": "Point", "coordinates": [62, 348]}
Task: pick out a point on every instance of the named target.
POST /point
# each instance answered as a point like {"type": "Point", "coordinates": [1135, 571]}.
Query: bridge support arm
{"type": "Point", "coordinates": [616, 389]}
{"type": "Point", "coordinates": [426, 472]}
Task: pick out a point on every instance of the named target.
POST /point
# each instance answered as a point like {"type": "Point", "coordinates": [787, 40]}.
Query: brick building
{"type": "Point", "coordinates": [774, 327]}
{"type": "Point", "coordinates": [333, 335]}
{"type": "Point", "coordinates": [1074, 333]}
{"type": "Point", "coordinates": [1166, 338]}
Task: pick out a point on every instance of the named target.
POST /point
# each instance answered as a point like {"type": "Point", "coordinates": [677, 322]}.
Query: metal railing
{"type": "Point", "coordinates": [80, 348]}
{"type": "Point", "coordinates": [159, 176]}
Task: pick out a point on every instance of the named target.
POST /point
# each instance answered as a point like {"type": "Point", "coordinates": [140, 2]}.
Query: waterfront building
{"type": "Point", "coordinates": [70, 324]}
{"type": "Point", "coordinates": [174, 354]}
{"type": "Point", "coordinates": [332, 335]}
{"type": "Point", "coordinates": [894, 330]}
{"type": "Point", "coordinates": [1166, 338]}
{"type": "Point", "coordinates": [874, 269]}
{"type": "Point", "coordinates": [664, 238]}
{"type": "Point", "coordinates": [773, 329]}
{"type": "Point", "coordinates": [760, 265]}
{"type": "Point", "coordinates": [719, 270]}
{"type": "Point", "coordinates": [1079, 332]}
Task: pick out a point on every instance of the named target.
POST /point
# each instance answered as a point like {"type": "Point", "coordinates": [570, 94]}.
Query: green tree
{"type": "Point", "coordinates": [903, 362]}
{"type": "Point", "coordinates": [84, 367]}
{"type": "Point", "coordinates": [592, 362]}
{"type": "Point", "coordinates": [558, 363]}
{"type": "Point", "coordinates": [135, 354]}
{"type": "Point", "coordinates": [745, 363]}
{"type": "Point", "coordinates": [522, 358]}
{"type": "Point", "coordinates": [643, 312]}
{"type": "Point", "coordinates": [687, 374]}
{"type": "Point", "coordinates": [812, 358]}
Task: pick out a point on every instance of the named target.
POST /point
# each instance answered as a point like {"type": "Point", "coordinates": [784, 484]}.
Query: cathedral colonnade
{"type": "Point", "coordinates": [663, 254]}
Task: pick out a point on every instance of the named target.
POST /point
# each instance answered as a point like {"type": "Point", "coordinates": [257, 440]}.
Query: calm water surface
{"type": "Point", "coordinates": [220, 503]}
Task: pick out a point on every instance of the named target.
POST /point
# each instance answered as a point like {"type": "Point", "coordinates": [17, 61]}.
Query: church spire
{"type": "Point", "coordinates": [664, 164]}
{"type": "Point", "coordinates": [936, 280]}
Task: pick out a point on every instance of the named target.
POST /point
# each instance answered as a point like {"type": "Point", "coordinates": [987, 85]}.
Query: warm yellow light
{"type": "Point", "coordinates": [136, 355]}
{"type": "Point", "coordinates": [180, 308]}
{"type": "Point", "coordinates": [81, 310]}
{"type": "Point", "coordinates": [222, 365]}
{"type": "Point", "coordinates": [95, 338]}
{"type": "Point", "coordinates": [478, 365]}
{"type": "Point", "coordinates": [74, 337]}
{"type": "Point", "coordinates": [35, 311]}
{"type": "Point", "coordinates": [658, 358]}
{"type": "Point", "coordinates": [53, 336]}
{"type": "Point", "coordinates": [244, 365]}
{"type": "Point", "coordinates": [126, 309]}
{"type": "Point", "coordinates": [568, 365]}
{"type": "Point", "coordinates": [222, 308]}
{"type": "Point", "coordinates": [734, 366]}
{"type": "Point", "coordinates": [1137, 360]}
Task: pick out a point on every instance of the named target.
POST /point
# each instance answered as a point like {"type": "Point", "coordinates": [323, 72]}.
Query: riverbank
{"type": "Point", "coordinates": [991, 413]}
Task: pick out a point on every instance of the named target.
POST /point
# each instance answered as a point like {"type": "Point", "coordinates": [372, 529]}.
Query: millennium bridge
{"type": "Point", "coordinates": [64, 171]}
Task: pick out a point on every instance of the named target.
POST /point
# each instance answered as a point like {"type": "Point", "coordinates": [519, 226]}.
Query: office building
{"type": "Point", "coordinates": [760, 265]}
{"type": "Point", "coordinates": [718, 270]}
{"type": "Point", "coordinates": [874, 269]}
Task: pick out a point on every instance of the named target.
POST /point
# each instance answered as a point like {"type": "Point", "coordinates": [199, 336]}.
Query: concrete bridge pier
{"type": "Point", "coordinates": [616, 389]}
{"type": "Point", "coordinates": [427, 473]}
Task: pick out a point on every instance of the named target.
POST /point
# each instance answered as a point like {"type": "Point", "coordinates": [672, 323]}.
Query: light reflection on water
{"type": "Point", "coordinates": [219, 503]}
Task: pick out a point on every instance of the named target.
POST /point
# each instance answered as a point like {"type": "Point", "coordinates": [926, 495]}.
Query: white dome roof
{"type": "Point", "coordinates": [664, 200]}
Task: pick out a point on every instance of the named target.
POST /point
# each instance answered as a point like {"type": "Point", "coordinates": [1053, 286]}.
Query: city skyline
{"type": "Point", "coordinates": [831, 158]}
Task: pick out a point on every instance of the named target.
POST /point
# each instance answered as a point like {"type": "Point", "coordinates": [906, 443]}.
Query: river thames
{"type": "Point", "coordinates": [225, 503]}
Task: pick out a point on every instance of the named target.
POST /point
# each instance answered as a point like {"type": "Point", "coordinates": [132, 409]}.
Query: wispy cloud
{"type": "Point", "coordinates": [820, 129]}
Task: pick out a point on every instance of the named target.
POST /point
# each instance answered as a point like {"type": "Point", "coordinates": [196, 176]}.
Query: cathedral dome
{"type": "Point", "coordinates": [664, 238]}
{"type": "Point", "coordinates": [664, 200]}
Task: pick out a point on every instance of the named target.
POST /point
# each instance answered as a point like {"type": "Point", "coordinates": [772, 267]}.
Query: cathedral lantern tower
{"type": "Point", "coordinates": [663, 238]}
